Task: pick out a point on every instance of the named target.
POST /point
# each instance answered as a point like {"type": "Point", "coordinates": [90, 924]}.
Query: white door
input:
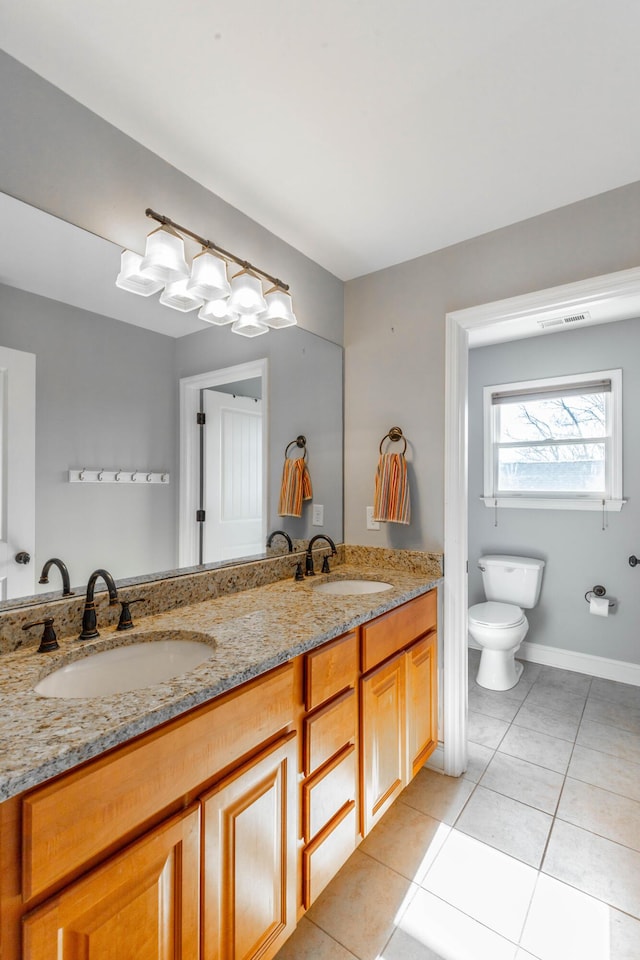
{"type": "Point", "coordinates": [232, 477]}
{"type": "Point", "coordinates": [17, 472]}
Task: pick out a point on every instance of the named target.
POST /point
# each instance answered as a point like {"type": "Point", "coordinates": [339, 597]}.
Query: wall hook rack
{"type": "Point", "coordinates": [141, 477]}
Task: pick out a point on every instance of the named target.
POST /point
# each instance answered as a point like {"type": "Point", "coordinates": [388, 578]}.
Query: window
{"type": "Point", "coordinates": [555, 443]}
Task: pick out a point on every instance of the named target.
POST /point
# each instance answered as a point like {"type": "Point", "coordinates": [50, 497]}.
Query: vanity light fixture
{"type": "Point", "coordinates": [240, 302]}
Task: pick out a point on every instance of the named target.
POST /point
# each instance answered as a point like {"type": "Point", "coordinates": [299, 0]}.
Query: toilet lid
{"type": "Point", "coordinates": [495, 614]}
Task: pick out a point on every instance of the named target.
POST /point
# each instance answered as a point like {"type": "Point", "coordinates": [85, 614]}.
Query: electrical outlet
{"type": "Point", "coordinates": [317, 515]}
{"type": "Point", "coordinates": [371, 523]}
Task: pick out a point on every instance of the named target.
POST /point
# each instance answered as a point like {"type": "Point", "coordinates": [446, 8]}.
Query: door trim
{"type": "Point", "coordinates": [189, 494]}
{"type": "Point", "coordinates": [616, 296]}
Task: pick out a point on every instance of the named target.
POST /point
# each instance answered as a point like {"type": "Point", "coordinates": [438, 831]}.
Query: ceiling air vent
{"type": "Point", "coordinates": [564, 321]}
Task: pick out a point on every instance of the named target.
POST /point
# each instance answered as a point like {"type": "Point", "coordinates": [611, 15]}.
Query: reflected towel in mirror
{"type": "Point", "coordinates": [295, 487]}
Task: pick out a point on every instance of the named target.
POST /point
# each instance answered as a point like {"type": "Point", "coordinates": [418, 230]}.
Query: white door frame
{"type": "Point", "coordinates": [614, 296]}
{"type": "Point", "coordinates": [189, 495]}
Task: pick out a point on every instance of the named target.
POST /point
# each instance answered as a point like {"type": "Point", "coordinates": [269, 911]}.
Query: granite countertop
{"type": "Point", "coordinates": [251, 632]}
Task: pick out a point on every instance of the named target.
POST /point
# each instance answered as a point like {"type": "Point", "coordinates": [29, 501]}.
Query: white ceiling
{"type": "Point", "coordinates": [363, 132]}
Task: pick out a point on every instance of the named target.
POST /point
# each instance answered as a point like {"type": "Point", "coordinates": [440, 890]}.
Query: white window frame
{"type": "Point", "coordinates": [613, 464]}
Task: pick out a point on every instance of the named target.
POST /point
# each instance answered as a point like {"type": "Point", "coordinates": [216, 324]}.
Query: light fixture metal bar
{"type": "Point", "coordinates": [167, 221]}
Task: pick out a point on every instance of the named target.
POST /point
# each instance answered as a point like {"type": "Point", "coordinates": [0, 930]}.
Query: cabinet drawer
{"type": "Point", "coordinates": [330, 669]}
{"type": "Point", "coordinates": [329, 729]}
{"type": "Point", "coordinates": [324, 794]}
{"type": "Point", "coordinates": [393, 631]}
{"type": "Point", "coordinates": [70, 823]}
{"type": "Point", "coordinates": [322, 859]}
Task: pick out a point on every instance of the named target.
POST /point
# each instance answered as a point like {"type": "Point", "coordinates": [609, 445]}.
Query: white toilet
{"type": "Point", "coordinates": [499, 626]}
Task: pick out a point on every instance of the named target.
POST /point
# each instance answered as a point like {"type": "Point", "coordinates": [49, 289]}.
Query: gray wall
{"type": "Point", "coordinates": [62, 158]}
{"type": "Point", "coordinates": [105, 397]}
{"type": "Point", "coordinates": [395, 340]}
{"type": "Point", "coordinates": [305, 397]}
{"type": "Point", "coordinates": [578, 553]}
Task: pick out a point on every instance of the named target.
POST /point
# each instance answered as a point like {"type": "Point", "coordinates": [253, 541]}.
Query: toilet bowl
{"type": "Point", "coordinates": [499, 629]}
{"type": "Point", "coordinates": [498, 626]}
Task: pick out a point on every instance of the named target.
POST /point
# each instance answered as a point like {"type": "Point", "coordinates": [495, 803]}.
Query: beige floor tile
{"type": "Point", "coordinates": [360, 906]}
{"type": "Point", "coordinates": [599, 867]}
{"type": "Point", "coordinates": [487, 731]}
{"type": "Point", "coordinates": [602, 770]}
{"type": "Point", "coordinates": [612, 740]}
{"type": "Point", "coordinates": [436, 795]}
{"type": "Point", "coordinates": [479, 758]}
{"type": "Point", "coordinates": [528, 782]}
{"type": "Point", "coordinates": [566, 924]}
{"type": "Point", "coordinates": [431, 929]}
{"type": "Point", "coordinates": [602, 812]}
{"type": "Point", "coordinates": [308, 942]}
{"type": "Point", "coordinates": [539, 748]}
{"type": "Point", "coordinates": [493, 704]}
{"type": "Point", "coordinates": [506, 824]}
{"type": "Point", "coordinates": [545, 721]}
{"type": "Point", "coordinates": [615, 714]}
{"type": "Point", "coordinates": [406, 840]}
{"type": "Point", "coordinates": [486, 884]}
{"type": "Point", "coordinates": [625, 693]}
{"type": "Point", "coordinates": [625, 936]}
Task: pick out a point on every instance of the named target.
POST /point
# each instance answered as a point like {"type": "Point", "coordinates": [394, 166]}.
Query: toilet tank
{"type": "Point", "coordinates": [514, 580]}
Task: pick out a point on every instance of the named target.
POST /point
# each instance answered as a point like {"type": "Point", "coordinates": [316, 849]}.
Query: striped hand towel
{"type": "Point", "coordinates": [391, 499]}
{"type": "Point", "coordinates": [295, 487]}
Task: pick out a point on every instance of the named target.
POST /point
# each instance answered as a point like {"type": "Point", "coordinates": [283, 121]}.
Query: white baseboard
{"type": "Point", "coordinates": [603, 667]}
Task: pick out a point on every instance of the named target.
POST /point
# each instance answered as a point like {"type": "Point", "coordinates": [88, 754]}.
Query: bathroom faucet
{"type": "Point", "coordinates": [62, 567]}
{"type": "Point", "coordinates": [89, 621]}
{"type": "Point", "coordinates": [308, 566]}
{"type": "Point", "coordinates": [282, 534]}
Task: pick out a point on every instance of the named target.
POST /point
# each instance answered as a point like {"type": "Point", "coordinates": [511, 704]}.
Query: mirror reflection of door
{"type": "Point", "coordinates": [232, 479]}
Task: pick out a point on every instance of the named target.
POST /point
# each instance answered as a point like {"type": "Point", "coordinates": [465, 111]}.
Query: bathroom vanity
{"type": "Point", "coordinates": [212, 832]}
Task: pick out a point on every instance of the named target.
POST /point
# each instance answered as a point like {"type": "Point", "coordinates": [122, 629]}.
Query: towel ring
{"type": "Point", "coordinates": [395, 434]}
{"type": "Point", "coordinates": [298, 442]}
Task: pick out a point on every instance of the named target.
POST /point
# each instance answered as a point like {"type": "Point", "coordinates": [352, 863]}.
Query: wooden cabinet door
{"type": "Point", "coordinates": [142, 904]}
{"type": "Point", "coordinates": [422, 706]}
{"type": "Point", "coordinates": [249, 857]}
{"type": "Point", "coordinates": [383, 739]}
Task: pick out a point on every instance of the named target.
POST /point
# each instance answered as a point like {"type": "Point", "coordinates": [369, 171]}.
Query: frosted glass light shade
{"type": "Point", "coordinates": [246, 295]}
{"type": "Point", "coordinates": [217, 311]}
{"type": "Point", "coordinates": [164, 256]}
{"type": "Point", "coordinates": [248, 326]}
{"type": "Point", "coordinates": [131, 279]}
{"type": "Point", "coordinates": [209, 277]}
{"type": "Point", "coordinates": [279, 310]}
{"type": "Point", "coordinates": [176, 296]}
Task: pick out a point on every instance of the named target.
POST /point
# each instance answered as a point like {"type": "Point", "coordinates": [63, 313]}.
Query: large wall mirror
{"type": "Point", "coordinates": [108, 368]}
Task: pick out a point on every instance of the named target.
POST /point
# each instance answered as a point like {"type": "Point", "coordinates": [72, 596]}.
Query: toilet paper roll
{"type": "Point", "coordinates": [599, 606]}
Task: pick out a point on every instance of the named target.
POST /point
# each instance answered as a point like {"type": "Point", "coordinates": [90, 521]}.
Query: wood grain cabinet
{"type": "Point", "coordinates": [208, 837]}
{"type": "Point", "coordinates": [142, 904]}
{"type": "Point", "coordinates": [249, 856]}
{"type": "Point", "coordinates": [398, 702]}
{"type": "Point", "coordinates": [329, 793]}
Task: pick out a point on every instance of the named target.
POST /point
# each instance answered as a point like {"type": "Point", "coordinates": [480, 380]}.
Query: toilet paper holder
{"type": "Point", "coordinates": [598, 591]}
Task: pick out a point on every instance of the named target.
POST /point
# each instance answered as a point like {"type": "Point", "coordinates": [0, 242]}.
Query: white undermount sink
{"type": "Point", "coordinates": [344, 588]}
{"type": "Point", "coordinates": [133, 666]}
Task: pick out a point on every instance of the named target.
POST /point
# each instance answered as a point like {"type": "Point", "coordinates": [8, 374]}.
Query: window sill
{"type": "Point", "coordinates": [553, 503]}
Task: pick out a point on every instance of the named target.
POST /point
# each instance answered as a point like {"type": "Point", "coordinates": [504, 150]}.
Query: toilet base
{"type": "Point", "coordinates": [498, 670]}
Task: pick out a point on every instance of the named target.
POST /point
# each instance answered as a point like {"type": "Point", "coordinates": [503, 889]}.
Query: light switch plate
{"type": "Point", "coordinates": [371, 523]}
{"type": "Point", "coordinates": [317, 515]}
